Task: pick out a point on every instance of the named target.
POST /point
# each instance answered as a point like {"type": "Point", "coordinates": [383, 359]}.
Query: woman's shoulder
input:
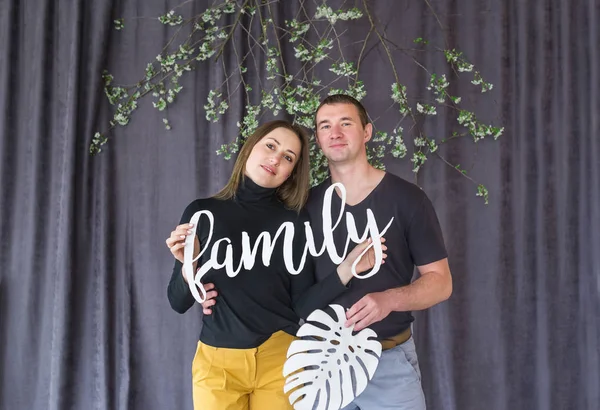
{"type": "Point", "coordinates": [205, 204]}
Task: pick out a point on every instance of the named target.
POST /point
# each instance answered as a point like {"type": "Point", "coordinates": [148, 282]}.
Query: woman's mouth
{"type": "Point", "coordinates": [269, 169]}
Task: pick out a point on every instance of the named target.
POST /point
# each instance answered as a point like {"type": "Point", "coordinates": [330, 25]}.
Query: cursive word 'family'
{"type": "Point", "coordinates": [250, 251]}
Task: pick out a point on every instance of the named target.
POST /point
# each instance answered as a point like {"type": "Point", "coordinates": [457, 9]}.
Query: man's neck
{"type": "Point", "coordinates": [359, 179]}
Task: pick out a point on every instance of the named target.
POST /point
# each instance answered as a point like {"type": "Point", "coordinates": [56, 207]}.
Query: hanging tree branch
{"type": "Point", "coordinates": [299, 93]}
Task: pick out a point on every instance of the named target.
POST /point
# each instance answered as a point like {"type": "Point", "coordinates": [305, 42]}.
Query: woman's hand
{"type": "Point", "coordinates": [211, 294]}
{"type": "Point", "coordinates": [176, 242]}
{"type": "Point", "coordinates": [366, 262]}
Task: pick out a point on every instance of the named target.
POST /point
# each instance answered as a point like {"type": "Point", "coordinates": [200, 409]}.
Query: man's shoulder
{"type": "Point", "coordinates": [397, 186]}
{"type": "Point", "coordinates": [322, 186]}
{"type": "Point", "coordinates": [316, 194]}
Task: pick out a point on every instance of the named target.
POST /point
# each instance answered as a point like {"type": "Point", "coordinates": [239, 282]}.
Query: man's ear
{"type": "Point", "coordinates": [368, 132]}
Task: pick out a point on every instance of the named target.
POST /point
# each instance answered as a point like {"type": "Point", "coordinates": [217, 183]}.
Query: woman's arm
{"type": "Point", "coordinates": [309, 294]}
{"type": "Point", "coordinates": [178, 291]}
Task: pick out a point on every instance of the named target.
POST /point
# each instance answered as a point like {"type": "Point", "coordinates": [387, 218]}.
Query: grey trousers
{"type": "Point", "coordinates": [396, 384]}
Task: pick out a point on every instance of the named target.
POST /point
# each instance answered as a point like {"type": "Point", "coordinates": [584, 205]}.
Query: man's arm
{"type": "Point", "coordinates": [432, 287]}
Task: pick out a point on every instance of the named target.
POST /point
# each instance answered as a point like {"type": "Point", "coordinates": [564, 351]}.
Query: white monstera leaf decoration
{"type": "Point", "coordinates": [318, 370]}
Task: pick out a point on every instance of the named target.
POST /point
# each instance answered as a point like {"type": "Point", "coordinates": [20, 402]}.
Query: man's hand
{"type": "Point", "coordinates": [211, 294]}
{"type": "Point", "coordinates": [372, 308]}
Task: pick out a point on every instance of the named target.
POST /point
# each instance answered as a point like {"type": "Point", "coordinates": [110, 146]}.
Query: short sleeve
{"type": "Point", "coordinates": [425, 239]}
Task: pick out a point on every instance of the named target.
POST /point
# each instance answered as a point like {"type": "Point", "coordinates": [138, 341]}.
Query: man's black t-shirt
{"type": "Point", "coordinates": [264, 299]}
{"type": "Point", "coordinates": [414, 238]}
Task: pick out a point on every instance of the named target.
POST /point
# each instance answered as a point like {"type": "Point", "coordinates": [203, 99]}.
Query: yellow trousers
{"type": "Point", "coordinates": [241, 379]}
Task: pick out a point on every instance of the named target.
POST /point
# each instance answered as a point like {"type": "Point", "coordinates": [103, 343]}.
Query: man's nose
{"type": "Point", "coordinates": [336, 131]}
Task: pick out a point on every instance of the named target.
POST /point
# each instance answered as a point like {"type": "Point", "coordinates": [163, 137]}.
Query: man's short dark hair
{"type": "Point", "coordinates": [345, 99]}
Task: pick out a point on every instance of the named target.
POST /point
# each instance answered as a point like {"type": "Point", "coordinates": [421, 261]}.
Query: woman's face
{"type": "Point", "coordinates": [273, 158]}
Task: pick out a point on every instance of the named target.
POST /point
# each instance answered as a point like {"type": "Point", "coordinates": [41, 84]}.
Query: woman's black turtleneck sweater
{"type": "Point", "coordinates": [255, 303]}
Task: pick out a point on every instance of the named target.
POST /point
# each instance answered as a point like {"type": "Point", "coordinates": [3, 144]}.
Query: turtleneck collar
{"type": "Point", "coordinates": [249, 191]}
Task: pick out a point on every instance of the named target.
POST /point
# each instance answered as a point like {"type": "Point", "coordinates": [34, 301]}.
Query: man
{"type": "Point", "coordinates": [384, 301]}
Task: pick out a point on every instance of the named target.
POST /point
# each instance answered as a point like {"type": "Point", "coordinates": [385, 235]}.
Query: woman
{"type": "Point", "coordinates": [244, 340]}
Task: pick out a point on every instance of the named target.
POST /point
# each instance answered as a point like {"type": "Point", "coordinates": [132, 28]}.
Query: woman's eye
{"type": "Point", "coordinates": [270, 146]}
{"type": "Point", "coordinates": [288, 158]}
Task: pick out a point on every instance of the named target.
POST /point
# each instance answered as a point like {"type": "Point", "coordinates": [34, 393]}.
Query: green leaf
{"type": "Point", "coordinates": [483, 192]}
{"type": "Point", "coordinates": [119, 24]}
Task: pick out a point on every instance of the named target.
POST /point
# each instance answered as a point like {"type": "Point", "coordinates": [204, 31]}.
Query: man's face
{"type": "Point", "coordinates": [340, 133]}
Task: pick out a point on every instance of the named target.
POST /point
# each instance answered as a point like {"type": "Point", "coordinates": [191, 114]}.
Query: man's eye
{"type": "Point", "coordinates": [324, 127]}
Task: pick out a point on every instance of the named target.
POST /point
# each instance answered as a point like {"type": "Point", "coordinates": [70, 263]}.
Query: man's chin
{"type": "Point", "coordinates": [337, 158]}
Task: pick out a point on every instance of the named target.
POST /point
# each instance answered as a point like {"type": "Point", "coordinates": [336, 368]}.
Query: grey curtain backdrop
{"type": "Point", "coordinates": [84, 318]}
